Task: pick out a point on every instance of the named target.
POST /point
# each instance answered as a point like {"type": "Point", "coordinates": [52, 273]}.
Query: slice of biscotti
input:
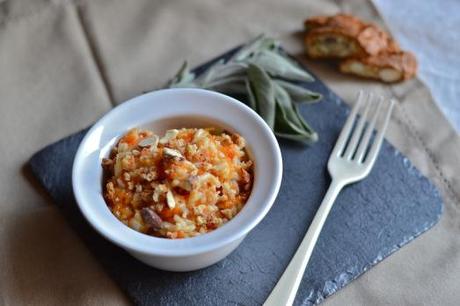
{"type": "Point", "coordinates": [388, 67]}
{"type": "Point", "coordinates": [344, 36]}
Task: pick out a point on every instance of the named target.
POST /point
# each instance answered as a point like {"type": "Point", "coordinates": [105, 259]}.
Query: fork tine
{"type": "Point", "coordinates": [375, 147]}
{"type": "Point", "coordinates": [344, 134]}
{"type": "Point", "coordinates": [367, 136]}
{"type": "Point", "coordinates": [351, 147]}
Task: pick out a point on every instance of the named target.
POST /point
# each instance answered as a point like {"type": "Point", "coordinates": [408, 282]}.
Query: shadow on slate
{"type": "Point", "coordinates": [369, 221]}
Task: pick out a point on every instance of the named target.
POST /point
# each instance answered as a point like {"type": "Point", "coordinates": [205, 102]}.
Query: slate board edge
{"type": "Point", "coordinates": [330, 286]}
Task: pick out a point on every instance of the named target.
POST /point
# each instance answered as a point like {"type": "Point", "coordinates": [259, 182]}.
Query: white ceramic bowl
{"type": "Point", "coordinates": [159, 111]}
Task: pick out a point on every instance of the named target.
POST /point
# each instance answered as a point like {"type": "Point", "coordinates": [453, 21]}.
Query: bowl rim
{"type": "Point", "coordinates": [193, 245]}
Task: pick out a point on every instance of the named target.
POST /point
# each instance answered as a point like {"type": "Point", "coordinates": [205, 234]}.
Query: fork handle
{"type": "Point", "coordinates": [285, 290]}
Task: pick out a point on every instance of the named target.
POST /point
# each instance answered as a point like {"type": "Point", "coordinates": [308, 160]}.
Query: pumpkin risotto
{"type": "Point", "coordinates": [186, 183]}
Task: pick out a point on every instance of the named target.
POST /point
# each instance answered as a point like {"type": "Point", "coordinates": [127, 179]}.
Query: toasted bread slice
{"type": "Point", "coordinates": [388, 67]}
{"type": "Point", "coordinates": [343, 36]}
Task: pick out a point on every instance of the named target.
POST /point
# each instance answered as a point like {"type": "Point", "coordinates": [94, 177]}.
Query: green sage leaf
{"type": "Point", "coordinates": [284, 101]}
{"type": "Point", "coordinates": [264, 95]}
{"type": "Point", "coordinates": [232, 88]}
{"type": "Point", "coordinates": [224, 81]}
{"type": "Point", "coordinates": [298, 93]}
{"type": "Point", "coordinates": [307, 139]}
{"type": "Point", "coordinates": [278, 65]}
{"type": "Point", "coordinates": [261, 71]}
{"type": "Point", "coordinates": [305, 125]}
{"type": "Point", "coordinates": [287, 129]}
{"type": "Point", "coordinates": [260, 43]}
{"type": "Point", "coordinates": [209, 73]}
{"type": "Point", "coordinates": [251, 97]}
{"type": "Point", "coordinates": [183, 78]}
{"type": "Point", "coordinates": [221, 70]}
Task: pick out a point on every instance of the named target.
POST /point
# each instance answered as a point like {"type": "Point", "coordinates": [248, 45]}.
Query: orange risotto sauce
{"type": "Point", "coordinates": [185, 183]}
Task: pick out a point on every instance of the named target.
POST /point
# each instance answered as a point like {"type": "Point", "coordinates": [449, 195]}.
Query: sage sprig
{"type": "Point", "coordinates": [271, 81]}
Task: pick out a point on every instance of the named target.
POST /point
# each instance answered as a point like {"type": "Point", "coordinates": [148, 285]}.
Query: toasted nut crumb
{"type": "Point", "coordinates": [148, 176]}
{"type": "Point", "coordinates": [110, 188]}
{"type": "Point", "coordinates": [149, 142]}
{"type": "Point", "coordinates": [170, 134]}
{"type": "Point", "coordinates": [170, 199]}
{"type": "Point", "coordinates": [120, 183]}
{"type": "Point", "coordinates": [150, 218]}
{"type": "Point", "coordinates": [130, 185]}
{"type": "Point", "coordinates": [172, 153]}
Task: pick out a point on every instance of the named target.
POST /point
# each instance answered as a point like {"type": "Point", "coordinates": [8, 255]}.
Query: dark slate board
{"type": "Point", "coordinates": [370, 220]}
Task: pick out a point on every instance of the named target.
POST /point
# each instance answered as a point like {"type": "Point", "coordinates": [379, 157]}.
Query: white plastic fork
{"type": "Point", "coordinates": [351, 160]}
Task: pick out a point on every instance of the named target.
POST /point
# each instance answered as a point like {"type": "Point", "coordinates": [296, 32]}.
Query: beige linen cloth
{"type": "Point", "coordinates": [64, 63]}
